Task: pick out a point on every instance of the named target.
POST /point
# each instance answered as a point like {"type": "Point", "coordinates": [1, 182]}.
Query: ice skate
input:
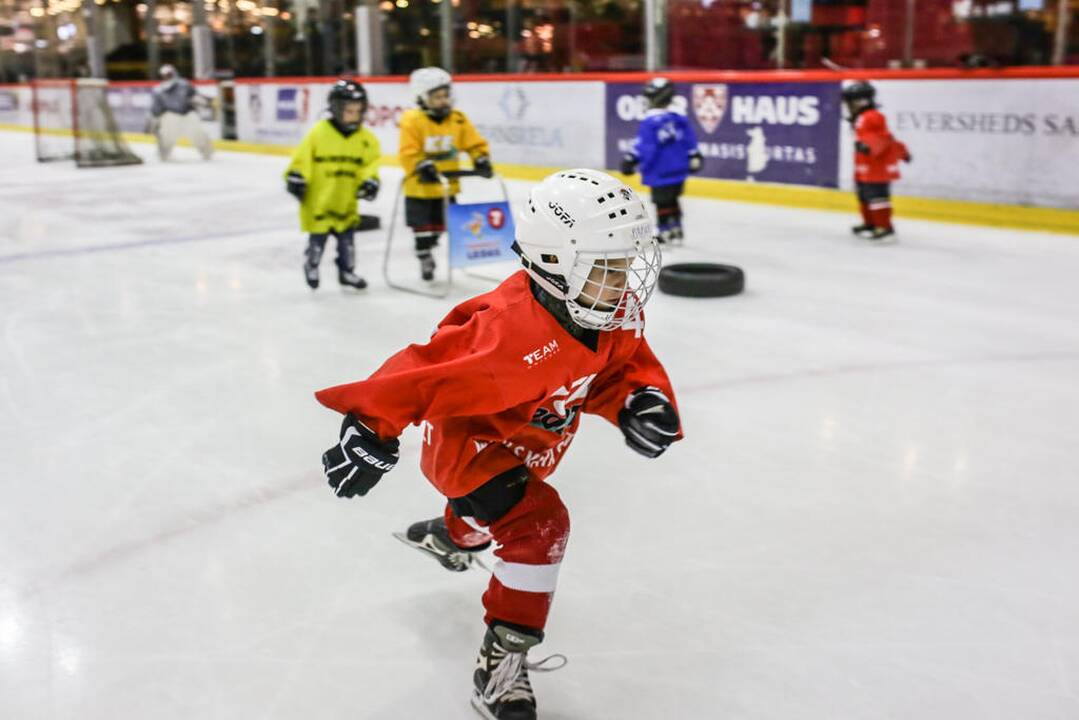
{"type": "Point", "coordinates": [310, 274]}
{"type": "Point", "coordinates": [861, 230]}
{"type": "Point", "coordinates": [502, 690]}
{"type": "Point", "coordinates": [312, 257]}
{"type": "Point", "coordinates": [676, 236]}
{"type": "Point", "coordinates": [347, 278]}
{"type": "Point", "coordinates": [427, 268]}
{"type": "Point", "coordinates": [879, 233]}
{"type": "Point", "coordinates": [433, 538]}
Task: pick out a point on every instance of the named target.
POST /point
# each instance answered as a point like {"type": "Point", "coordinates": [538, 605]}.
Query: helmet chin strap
{"type": "Point", "coordinates": [554, 284]}
{"type": "Point", "coordinates": [437, 113]}
{"type": "Point", "coordinates": [594, 316]}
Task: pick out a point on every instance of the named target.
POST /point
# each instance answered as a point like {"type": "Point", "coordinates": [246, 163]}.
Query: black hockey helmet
{"type": "Point", "coordinates": [659, 91]}
{"type": "Point", "coordinates": [859, 90]}
{"type": "Point", "coordinates": [342, 93]}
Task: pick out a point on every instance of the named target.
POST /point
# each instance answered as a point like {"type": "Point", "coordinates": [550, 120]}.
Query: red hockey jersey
{"type": "Point", "coordinates": [501, 383]}
{"type": "Point", "coordinates": [881, 165]}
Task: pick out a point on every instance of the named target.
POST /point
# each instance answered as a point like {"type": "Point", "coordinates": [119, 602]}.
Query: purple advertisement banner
{"type": "Point", "coordinates": [771, 132]}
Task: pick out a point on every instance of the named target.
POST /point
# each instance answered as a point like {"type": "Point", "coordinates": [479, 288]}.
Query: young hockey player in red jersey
{"type": "Point", "coordinates": [876, 160]}
{"type": "Point", "coordinates": [498, 392]}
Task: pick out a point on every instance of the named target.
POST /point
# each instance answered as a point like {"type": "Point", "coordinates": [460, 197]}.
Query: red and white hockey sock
{"type": "Point", "coordinates": [465, 533]}
{"type": "Point", "coordinates": [531, 540]}
{"type": "Point", "coordinates": [865, 213]}
{"type": "Point", "coordinates": [880, 214]}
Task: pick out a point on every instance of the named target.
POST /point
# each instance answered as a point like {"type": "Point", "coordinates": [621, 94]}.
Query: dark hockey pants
{"type": "Point", "coordinates": [875, 202]}
{"type": "Point", "coordinates": [346, 255]}
{"type": "Point", "coordinates": [668, 209]}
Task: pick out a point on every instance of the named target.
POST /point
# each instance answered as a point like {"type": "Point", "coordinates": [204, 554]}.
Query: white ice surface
{"type": "Point", "coordinates": [875, 514]}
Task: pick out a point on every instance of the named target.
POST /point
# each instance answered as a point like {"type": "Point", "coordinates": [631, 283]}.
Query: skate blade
{"type": "Point", "coordinates": [478, 706]}
{"type": "Point", "coordinates": [469, 561]}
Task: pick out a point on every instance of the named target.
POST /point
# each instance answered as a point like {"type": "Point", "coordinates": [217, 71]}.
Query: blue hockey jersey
{"type": "Point", "coordinates": [664, 140]}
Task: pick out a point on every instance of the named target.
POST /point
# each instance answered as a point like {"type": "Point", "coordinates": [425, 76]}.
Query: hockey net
{"type": "Point", "coordinates": [72, 121]}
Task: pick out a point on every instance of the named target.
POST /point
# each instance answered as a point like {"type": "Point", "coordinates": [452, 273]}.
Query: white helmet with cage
{"type": "Point", "coordinates": [586, 238]}
{"type": "Point", "coordinates": [426, 80]}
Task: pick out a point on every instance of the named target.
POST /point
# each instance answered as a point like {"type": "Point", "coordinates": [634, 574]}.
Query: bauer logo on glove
{"type": "Point", "coordinates": [359, 460]}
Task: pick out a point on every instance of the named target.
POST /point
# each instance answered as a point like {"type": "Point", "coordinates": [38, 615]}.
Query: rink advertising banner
{"type": "Point", "coordinates": [773, 132]}
{"type": "Point", "coordinates": [551, 124]}
{"type": "Point", "coordinates": [130, 106]}
{"type": "Point", "coordinates": [15, 105]}
{"type": "Point", "coordinates": [1006, 141]}
{"type": "Point", "coordinates": [480, 233]}
{"type": "Point", "coordinates": [9, 103]}
{"type": "Point", "coordinates": [277, 114]}
{"type": "Point", "coordinates": [544, 123]}
{"type": "Point", "coordinates": [282, 113]}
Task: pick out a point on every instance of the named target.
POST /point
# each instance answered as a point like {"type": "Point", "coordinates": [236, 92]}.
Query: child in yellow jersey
{"type": "Point", "coordinates": [335, 165]}
{"type": "Point", "coordinates": [432, 137]}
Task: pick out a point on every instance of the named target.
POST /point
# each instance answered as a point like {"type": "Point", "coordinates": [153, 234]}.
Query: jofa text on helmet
{"type": "Point", "coordinates": [561, 214]}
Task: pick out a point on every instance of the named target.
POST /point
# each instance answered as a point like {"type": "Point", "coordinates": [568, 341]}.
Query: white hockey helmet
{"type": "Point", "coordinates": [426, 80]}
{"type": "Point", "coordinates": [586, 238]}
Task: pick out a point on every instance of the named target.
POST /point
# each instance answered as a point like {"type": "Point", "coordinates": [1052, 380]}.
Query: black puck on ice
{"type": "Point", "coordinates": [701, 280]}
{"type": "Point", "coordinates": [368, 222]}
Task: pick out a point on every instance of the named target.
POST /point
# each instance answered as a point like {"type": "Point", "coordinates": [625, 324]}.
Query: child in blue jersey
{"type": "Point", "coordinates": [666, 151]}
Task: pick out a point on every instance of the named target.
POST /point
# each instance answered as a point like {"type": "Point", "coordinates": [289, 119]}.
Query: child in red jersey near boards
{"type": "Point", "coordinates": [876, 161]}
{"type": "Point", "coordinates": [498, 392]}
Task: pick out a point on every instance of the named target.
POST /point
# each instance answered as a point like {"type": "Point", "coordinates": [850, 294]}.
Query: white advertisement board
{"type": "Point", "coordinates": [543, 123]}
{"type": "Point", "coordinates": [15, 105]}
{"type": "Point", "coordinates": [129, 103]}
{"type": "Point", "coordinates": [281, 113]}
{"type": "Point", "coordinates": [998, 141]}
{"type": "Point", "coordinates": [552, 124]}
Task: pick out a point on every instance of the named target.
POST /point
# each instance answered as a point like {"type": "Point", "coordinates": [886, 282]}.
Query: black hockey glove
{"type": "Point", "coordinates": [629, 164]}
{"type": "Point", "coordinates": [861, 148]}
{"type": "Point", "coordinates": [482, 166]}
{"type": "Point", "coordinates": [696, 160]}
{"type": "Point", "coordinates": [368, 189]}
{"type": "Point", "coordinates": [648, 421]}
{"type": "Point", "coordinates": [427, 172]}
{"type": "Point", "coordinates": [296, 185]}
{"type": "Point", "coordinates": [359, 460]}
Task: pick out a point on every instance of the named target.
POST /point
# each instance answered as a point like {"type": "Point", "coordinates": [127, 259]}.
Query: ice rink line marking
{"type": "Point", "coordinates": [840, 370]}
{"type": "Point", "coordinates": [128, 245]}
{"type": "Point", "coordinates": [199, 519]}
{"type": "Point", "coordinates": [195, 520]}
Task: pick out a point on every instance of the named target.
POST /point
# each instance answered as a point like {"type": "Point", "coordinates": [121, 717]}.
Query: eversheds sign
{"type": "Point", "coordinates": [1010, 141]}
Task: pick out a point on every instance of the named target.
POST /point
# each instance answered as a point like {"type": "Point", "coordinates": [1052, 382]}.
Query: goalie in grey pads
{"type": "Point", "coordinates": [174, 116]}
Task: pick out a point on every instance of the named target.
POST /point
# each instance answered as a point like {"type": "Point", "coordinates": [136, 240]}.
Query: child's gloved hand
{"type": "Point", "coordinates": [482, 166]}
{"type": "Point", "coordinates": [427, 172]}
{"type": "Point", "coordinates": [359, 459]}
{"type": "Point", "coordinates": [296, 185]}
{"type": "Point", "coordinates": [368, 189]}
{"type": "Point", "coordinates": [649, 422]}
{"type": "Point", "coordinates": [696, 160]}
